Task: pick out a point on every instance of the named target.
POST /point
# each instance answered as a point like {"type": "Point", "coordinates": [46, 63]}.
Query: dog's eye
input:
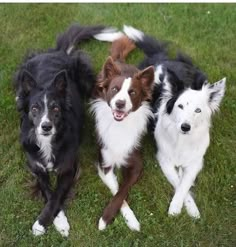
{"type": "Point", "coordinates": [132, 92]}
{"type": "Point", "coordinates": [198, 110]}
{"type": "Point", "coordinates": [181, 106]}
{"type": "Point", "coordinates": [114, 89]}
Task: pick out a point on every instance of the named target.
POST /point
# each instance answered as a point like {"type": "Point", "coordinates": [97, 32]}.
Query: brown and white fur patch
{"type": "Point", "coordinates": [121, 109]}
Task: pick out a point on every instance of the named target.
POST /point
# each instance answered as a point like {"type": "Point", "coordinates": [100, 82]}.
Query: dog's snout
{"type": "Point", "coordinates": [46, 126]}
{"type": "Point", "coordinates": [120, 104]}
{"type": "Point", "coordinates": [185, 127]}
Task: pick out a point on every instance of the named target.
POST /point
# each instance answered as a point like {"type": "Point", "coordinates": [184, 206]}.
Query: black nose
{"type": "Point", "coordinates": [46, 126]}
{"type": "Point", "coordinates": [185, 127]}
{"type": "Point", "coordinates": [120, 104]}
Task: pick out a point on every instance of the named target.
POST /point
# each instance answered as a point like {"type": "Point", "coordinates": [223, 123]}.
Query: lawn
{"type": "Point", "coordinates": [207, 32]}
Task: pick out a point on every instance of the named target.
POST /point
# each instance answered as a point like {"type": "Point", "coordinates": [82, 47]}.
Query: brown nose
{"type": "Point", "coordinates": [120, 104]}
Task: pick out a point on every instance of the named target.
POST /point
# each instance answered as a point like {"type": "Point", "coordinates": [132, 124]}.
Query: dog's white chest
{"type": "Point", "coordinates": [119, 138]}
{"type": "Point", "coordinates": [45, 146]}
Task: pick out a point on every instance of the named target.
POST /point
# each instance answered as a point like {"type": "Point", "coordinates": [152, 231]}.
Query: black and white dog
{"type": "Point", "coordinates": [183, 104]}
{"type": "Point", "coordinates": [50, 90]}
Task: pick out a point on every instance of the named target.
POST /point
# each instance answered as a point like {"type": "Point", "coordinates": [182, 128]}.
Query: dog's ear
{"type": "Point", "coordinates": [60, 82]}
{"type": "Point", "coordinates": [216, 92]}
{"type": "Point", "coordinates": [146, 78]}
{"type": "Point", "coordinates": [110, 69]}
{"type": "Point", "coordinates": [172, 86]}
{"type": "Point", "coordinates": [27, 82]}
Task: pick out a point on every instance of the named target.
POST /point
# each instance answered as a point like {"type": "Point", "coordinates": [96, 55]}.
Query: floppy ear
{"type": "Point", "coordinates": [27, 82]}
{"type": "Point", "coordinates": [216, 92]}
{"type": "Point", "coordinates": [60, 82]}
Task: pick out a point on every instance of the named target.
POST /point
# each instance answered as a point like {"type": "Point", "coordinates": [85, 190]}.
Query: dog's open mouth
{"type": "Point", "coordinates": [119, 115]}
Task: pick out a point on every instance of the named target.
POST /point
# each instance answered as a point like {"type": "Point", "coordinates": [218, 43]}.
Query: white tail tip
{"type": "Point", "coordinates": [109, 35]}
{"type": "Point", "coordinates": [132, 33]}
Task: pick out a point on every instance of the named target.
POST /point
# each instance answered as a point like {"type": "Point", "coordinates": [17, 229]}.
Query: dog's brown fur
{"type": "Point", "coordinates": [113, 74]}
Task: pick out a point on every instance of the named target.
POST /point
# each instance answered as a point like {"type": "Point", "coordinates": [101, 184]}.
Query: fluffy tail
{"type": "Point", "coordinates": [121, 48]}
{"type": "Point", "coordinates": [150, 46]}
{"type": "Point", "coordinates": [121, 45]}
{"type": "Point", "coordinates": [68, 40]}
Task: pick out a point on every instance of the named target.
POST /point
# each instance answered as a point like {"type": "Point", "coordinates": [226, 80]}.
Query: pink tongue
{"type": "Point", "coordinates": [119, 115]}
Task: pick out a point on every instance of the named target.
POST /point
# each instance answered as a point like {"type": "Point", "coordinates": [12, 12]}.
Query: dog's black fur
{"type": "Point", "coordinates": [65, 76]}
{"type": "Point", "coordinates": [182, 73]}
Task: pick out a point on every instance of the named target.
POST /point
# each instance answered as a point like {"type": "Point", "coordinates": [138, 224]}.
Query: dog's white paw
{"type": "Point", "coordinates": [191, 207]}
{"type": "Point", "coordinates": [38, 229]}
{"type": "Point", "coordinates": [192, 210]}
{"type": "Point", "coordinates": [174, 209]}
{"type": "Point", "coordinates": [61, 224]}
{"type": "Point", "coordinates": [101, 224]}
{"type": "Point", "coordinates": [130, 218]}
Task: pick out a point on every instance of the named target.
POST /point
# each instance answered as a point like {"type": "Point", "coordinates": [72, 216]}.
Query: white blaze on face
{"type": "Point", "coordinates": [122, 95]}
{"type": "Point", "coordinates": [44, 116]}
{"type": "Point", "coordinates": [44, 141]}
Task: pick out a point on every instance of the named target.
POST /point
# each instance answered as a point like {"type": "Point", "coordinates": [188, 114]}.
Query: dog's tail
{"type": "Point", "coordinates": [149, 45]}
{"type": "Point", "coordinates": [121, 48]}
{"type": "Point", "coordinates": [121, 44]}
{"type": "Point", "coordinates": [68, 40]}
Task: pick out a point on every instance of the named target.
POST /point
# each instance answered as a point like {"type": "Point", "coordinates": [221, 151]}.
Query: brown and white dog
{"type": "Point", "coordinates": [121, 109]}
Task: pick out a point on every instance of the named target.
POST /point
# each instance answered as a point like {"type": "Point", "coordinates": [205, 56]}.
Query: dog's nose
{"type": "Point", "coordinates": [120, 104]}
{"type": "Point", "coordinates": [185, 127]}
{"type": "Point", "coordinates": [46, 126]}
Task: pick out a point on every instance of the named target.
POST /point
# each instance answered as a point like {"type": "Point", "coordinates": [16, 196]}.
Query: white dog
{"type": "Point", "coordinates": [183, 103]}
{"type": "Point", "coordinates": [183, 137]}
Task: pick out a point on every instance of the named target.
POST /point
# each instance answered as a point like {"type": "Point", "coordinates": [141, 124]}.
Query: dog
{"type": "Point", "coordinates": [51, 88]}
{"type": "Point", "coordinates": [183, 104]}
{"type": "Point", "coordinates": [121, 111]}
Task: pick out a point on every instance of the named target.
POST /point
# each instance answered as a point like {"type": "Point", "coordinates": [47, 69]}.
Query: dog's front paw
{"type": "Point", "coordinates": [101, 224]}
{"type": "Point", "coordinates": [192, 211]}
{"type": "Point", "coordinates": [61, 224]}
{"type": "Point", "coordinates": [130, 218]}
{"type": "Point", "coordinates": [38, 229]}
{"type": "Point", "coordinates": [175, 208]}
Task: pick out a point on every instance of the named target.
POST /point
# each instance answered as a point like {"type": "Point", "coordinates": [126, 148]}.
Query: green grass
{"type": "Point", "coordinates": [210, 40]}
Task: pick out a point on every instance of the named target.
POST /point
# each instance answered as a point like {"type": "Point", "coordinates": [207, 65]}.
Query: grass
{"type": "Point", "coordinates": [209, 38]}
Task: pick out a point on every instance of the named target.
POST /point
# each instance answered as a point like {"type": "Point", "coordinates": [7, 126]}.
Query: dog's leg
{"type": "Point", "coordinates": [44, 184]}
{"type": "Point", "coordinates": [54, 205]}
{"type": "Point", "coordinates": [133, 173]}
{"type": "Point", "coordinates": [61, 223]}
{"type": "Point", "coordinates": [60, 220]}
{"type": "Point", "coordinates": [109, 178]}
{"type": "Point", "coordinates": [175, 179]}
{"type": "Point", "coordinates": [189, 202]}
{"type": "Point", "coordinates": [182, 190]}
